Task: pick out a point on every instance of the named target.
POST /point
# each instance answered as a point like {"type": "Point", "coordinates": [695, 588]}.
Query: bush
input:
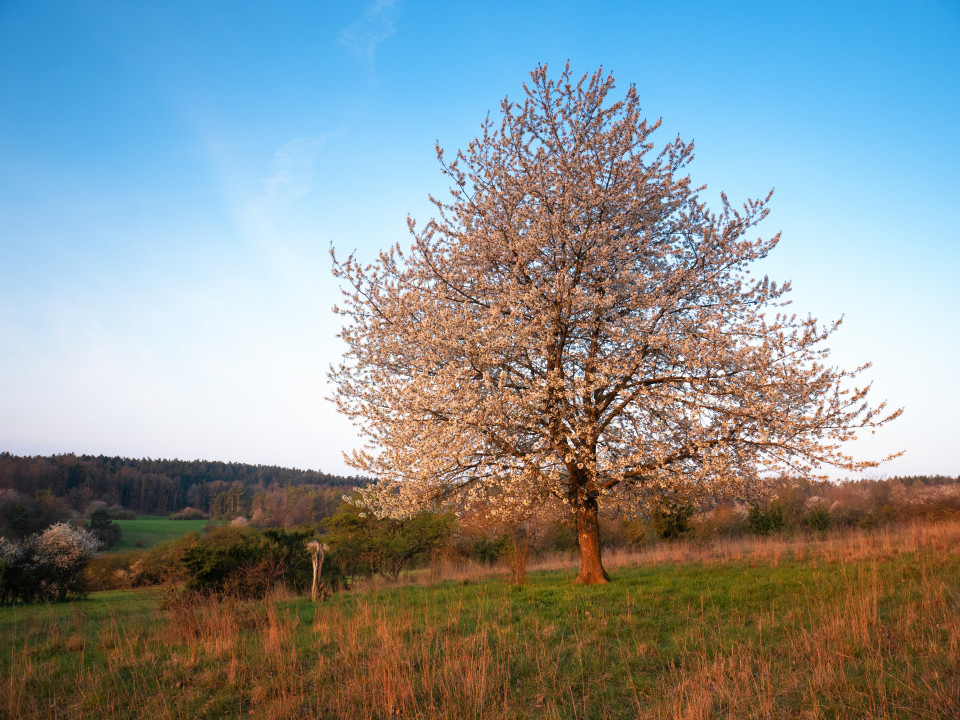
{"type": "Point", "coordinates": [244, 562]}
{"type": "Point", "coordinates": [101, 524]}
{"type": "Point", "coordinates": [121, 513]}
{"type": "Point", "coordinates": [617, 532]}
{"type": "Point", "coordinates": [46, 567]}
{"type": "Point", "coordinates": [160, 564]}
{"type": "Point", "coordinates": [189, 513]}
{"type": "Point", "coordinates": [363, 544]}
{"type": "Point", "coordinates": [671, 523]}
{"type": "Point", "coordinates": [488, 550]}
{"type": "Point", "coordinates": [725, 520]}
{"type": "Point", "coordinates": [767, 521]}
{"type": "Point", "coordinates": [818, 519]}
{"type": "Point", "coordinates": [561, 536]}
{"type": "Point", "coordinates": [110, 571]}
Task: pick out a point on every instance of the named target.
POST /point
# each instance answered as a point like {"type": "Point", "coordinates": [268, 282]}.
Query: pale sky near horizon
{"type": "Point", "coordinates": [172, 175]}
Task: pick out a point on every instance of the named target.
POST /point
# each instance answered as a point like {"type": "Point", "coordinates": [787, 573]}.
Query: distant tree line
{"type": "Point", "coordinates": [38, 491]}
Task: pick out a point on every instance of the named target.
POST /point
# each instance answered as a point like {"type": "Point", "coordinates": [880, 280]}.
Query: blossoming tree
{"type": "Point", "coordinates": [576, 326]}
{"type": "Point", "coordinates": [47, 566]}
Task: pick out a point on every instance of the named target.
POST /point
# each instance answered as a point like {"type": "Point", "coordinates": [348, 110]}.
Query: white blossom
{"type": "Point", "coordinates": [576, 324]}
{"type": "Point", "coordinates": [47, 566]}
{"type": "Point", "coordinates": [64, 546]}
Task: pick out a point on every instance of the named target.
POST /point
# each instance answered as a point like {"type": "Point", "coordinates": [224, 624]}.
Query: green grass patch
{"type": "Point", "coordinates": [867, 635]}
{"type": "Point", "coordinates": [145, 531]}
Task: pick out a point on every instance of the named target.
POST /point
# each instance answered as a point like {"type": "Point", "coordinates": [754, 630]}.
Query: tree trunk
{"type": "Point", "coordinates": [588, 538]}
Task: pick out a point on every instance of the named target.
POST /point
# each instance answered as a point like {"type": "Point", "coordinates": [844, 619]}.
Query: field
{"type": "Point", "coordinates": [857, 625]}
{"type": "Point", "coordinates": [148, 530]}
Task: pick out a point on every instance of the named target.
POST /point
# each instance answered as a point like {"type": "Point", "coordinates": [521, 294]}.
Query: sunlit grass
{"type": "Point", "coordinates": [145, 531]}
{"type": "Point", "coordinates": [866, 625]}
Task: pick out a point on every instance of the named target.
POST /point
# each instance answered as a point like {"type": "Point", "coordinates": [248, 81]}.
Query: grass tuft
{"type": "Point", "coordinates": [865, 624]}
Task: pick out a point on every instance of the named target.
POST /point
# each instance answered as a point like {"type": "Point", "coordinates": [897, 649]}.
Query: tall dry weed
{"type": "Point", "coordinates": [853, 631]}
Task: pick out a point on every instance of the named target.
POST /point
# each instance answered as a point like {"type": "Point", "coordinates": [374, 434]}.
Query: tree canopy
{"type": "Point", "coordinates": [576, 325]}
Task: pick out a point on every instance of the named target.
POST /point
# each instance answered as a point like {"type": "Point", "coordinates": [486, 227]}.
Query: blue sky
{"type": "Point", "coordinates": [172, 175]}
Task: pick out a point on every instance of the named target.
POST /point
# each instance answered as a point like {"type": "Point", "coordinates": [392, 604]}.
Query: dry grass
{"type": "Point", "coordinates": [850, 545]}
{"type": "Point", "coordinates": [853, 545]}
{"type": "Point", "coordinates": [865, 624]}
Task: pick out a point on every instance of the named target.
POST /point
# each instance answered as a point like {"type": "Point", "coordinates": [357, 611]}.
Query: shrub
{"type": "Point", "coordinates": [671, 523]}
{"type": "Point", "coordinates": [725, 520]}
{"type": "Point", "coordinates": [101, 524]}
{"type": "Point", "coordinates": [561, 536]}
{"type": "Point", "coordinates": [767, 521]}
{"type": "Point", "coordinates": [364, 544]}
{"type": "Point", "coordinates": [488, 550]}
{"type": "Point", "coordinates": [818, 519]}
{"type": "Point", "coordinates": [110, 571]}
{"type": "Point", "coordinates": [160, 564]}
{"type": "Point", "coordinates": [47, 566]}
{"type": "Point", "coordinates": [615, 532]}
{"type": "Point", "coordinates": [189, 513]}
{"type": "Point", "coordinates": [244, 562]}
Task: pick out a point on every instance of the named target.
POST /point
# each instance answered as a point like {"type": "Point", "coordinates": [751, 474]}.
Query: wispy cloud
{"type": "Point", "coordinates": [363, 36]}
{"type": "Point", "coordinates": [269, 222]}
{"type": "Point", "coordinates": [291, 176]}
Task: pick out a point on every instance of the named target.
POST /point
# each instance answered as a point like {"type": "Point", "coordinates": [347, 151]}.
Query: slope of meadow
{"type": "Point", "coordinates": [145, 531]}
{"type": "Point", "coordinates": [859, 625]}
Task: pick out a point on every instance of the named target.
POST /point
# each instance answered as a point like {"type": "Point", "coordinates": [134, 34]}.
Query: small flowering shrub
{"type": "Point", "coordinates": [46, 567]}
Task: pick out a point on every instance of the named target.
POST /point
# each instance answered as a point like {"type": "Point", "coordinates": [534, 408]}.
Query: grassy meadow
{"type": "Point", "coordinates": [145, 531]}
{"type": "Point", "coordinates": [859, 625]}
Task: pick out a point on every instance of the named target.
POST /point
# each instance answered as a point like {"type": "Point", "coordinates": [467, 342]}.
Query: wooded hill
{"type": "Point", "coordinates": [159, 487]}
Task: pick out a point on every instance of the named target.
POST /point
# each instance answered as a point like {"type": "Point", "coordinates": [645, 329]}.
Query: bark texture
{"type": "Point", "coordinates": [588, 538]}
